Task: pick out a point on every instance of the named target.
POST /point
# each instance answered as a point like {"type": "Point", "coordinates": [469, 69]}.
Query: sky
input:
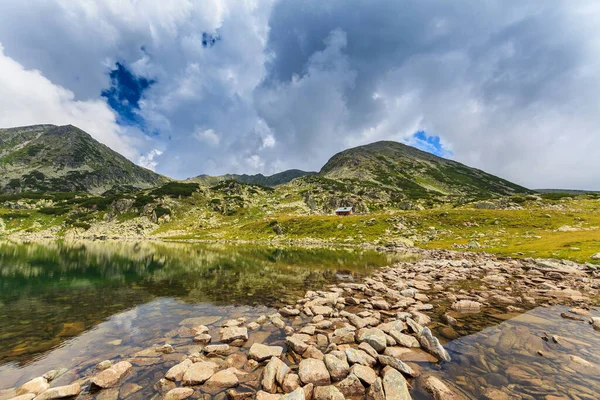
{"type": "Point", "coordinates": [187, 87]}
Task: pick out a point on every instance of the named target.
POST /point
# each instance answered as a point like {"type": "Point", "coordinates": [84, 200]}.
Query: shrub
{"type": "Point", "coordinates": [54, 210]}
{"type": "Point", "coordinates": [175, 189]}
{"type": "Point", "coordinates": [83, 225]}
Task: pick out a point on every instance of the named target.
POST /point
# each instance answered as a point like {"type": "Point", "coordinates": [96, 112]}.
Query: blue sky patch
{"type": "Point", "coordinates": [209, 39]}
{"type": "Point", "coordinates": [124, 94]}
{"type": "Point", "coordinates": [431, 144]}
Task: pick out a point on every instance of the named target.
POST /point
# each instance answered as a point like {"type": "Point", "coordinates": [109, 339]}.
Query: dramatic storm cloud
{"type": "Point", "coordinates": [189, 87]}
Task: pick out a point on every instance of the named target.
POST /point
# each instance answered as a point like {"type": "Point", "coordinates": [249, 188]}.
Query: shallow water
{"type": "Point", "coordinates": [528, 356]}
{"type": "Point", "coordinates": [71, 305]}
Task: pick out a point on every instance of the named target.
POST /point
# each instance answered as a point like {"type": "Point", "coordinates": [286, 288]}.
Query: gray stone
{"type": "Point", "coordinates": [351, 386]}
{"type": "Point", "coordinates": [269, 376]}
{"type": "Point", "coordinates": [359, 357]}
{"type": "Point", "coordinates": [314, 371]}
{"type": "Point", "coordinates": [395, 386]}
{"type": "Point", "coordinates": [111, 376]}
{"type": "Point", "coordinates": [375, 391]}
{"type": "Point", "coordinates": [366, 374]}
{"type": "Point", "coordinates": [261, 352]}
{"type": "Point", "coordinates": [327, 393]}
{"type": "Point", "coordinates": [176, 372]}
{"type": "Point", "coordinates": [338, 369]}
{"type": "Point", "coordinates": [234, 333]}
{"type": "Point", "coordinates": [35, 386]}
{"type": "Point", "coordinates": [404, 340]}
{"type": "Point", "coordinates": [397, 364]}
{"type": "Point", "coordinates": [297, 345]}
{"type": "Point", "coordinates": [60, 392]}
{"type": "Point", "coordinates": [199, 373]}
{"type": "Point", "coordinates": [223, 379]}
{"type": "Point", "coordinates": [432, 345]}
{"type": "Point", "coordinates": [373, 336]}
{"type": "Point", "coordinates": [297, 394]}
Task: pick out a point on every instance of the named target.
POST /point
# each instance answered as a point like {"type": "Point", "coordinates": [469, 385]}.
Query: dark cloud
{"type": "Point", "coordinates": [509, 87]}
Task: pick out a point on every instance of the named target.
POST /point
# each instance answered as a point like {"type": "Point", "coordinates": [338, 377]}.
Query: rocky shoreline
{"type": "Point", "coordinates": [381, 338]}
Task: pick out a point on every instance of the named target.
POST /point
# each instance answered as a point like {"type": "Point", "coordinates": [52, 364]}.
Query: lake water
{"type": "Point", "coordinates": [71, 305]}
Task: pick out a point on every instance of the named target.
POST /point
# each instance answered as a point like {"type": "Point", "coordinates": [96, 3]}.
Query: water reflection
{"type": "Point", "coordinates": [51, 292]}
{"type": "Point", "coordinates": [533, 355]}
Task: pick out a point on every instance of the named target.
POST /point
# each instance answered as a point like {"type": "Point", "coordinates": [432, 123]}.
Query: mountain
{"type": "Point", "coordinates": [53, 158]}
{"type": "Point", "coordinates": [415, 173]}
{"type": "Point", "coordinates": [258, 179]}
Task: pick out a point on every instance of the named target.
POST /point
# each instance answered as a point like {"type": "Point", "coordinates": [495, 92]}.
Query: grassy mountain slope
{"type": "Point", "coordinates": [258, 179]}
{"type": "Point", "coordinates": [64, 158]}
{"type": "Point", "coordinates": [415, 173]}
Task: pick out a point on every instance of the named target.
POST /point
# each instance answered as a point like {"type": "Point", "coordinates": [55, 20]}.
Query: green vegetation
{"type": "Point", "coordinates": [175, 189]}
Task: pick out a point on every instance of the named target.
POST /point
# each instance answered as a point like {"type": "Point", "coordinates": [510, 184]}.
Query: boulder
{"type": "Point", "coordinates": [366, 374]}
{"type": "Point", "coordinates": [397, 365]}
{"type": "Point", "coordinates": [394, 385]}
{"type": "Point", "coordinates": [297, 394]}
{"type": "Point", "coordinates": [314, 371]}
{"type": "Point", "coordinates": [437, 388]}
{"type": "Point", "coordinates": [327, 393]}
{"type": "Point", "coordinates": [375, 337]}
{"type": "Point", "coordinates": [261, 352]}
{"type": "Point", "coordinates": [432, 345]}
{"type": "Point", "coordinates": [179, 394]}
{"type": "Point", "coordinates": [35, 386]}
{"type": "Point", "coordinates": [359, 357]}
{"type": "Point", "coordinates": [111, 376]}
{"type": "Point", "coordinates": [233, 333]}
{"type": "Point", "coordinates": [60, 392]}
{"type": "Point", "coordinates": [466, 306]}
{"type": "Point", "coordinates": [223, 379]}
{"type": "Point", "coordinates": [338, 369]}
{"type": "Point", "coordinates": [351, 387]}
{"type": "Point", "coordinates": [270, 374]}
{"type": "Point", "coordinates": [176, 372]}
{"type": "Point", "coordinates": [199, 373]}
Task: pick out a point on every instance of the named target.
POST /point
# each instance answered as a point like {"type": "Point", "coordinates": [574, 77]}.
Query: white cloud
{"type": "Point", "coordinates": [147, 160]}
{"type": "Point", "coordinates": [28, 98]}
{"type": "Point", "coordinates": [509, 88]}
{"type": "Point", "coordinates": [208, 136]}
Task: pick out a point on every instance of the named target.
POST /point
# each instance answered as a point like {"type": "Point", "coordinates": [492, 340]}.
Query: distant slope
{"type": "Point", "coordinates": [65, 158]}
{"type": "Point", "coordinates": [414, 172]}
{"type": "Point", "coordinates": [567, 191]}
{"type": "Point", "coordinates": [258, 179]}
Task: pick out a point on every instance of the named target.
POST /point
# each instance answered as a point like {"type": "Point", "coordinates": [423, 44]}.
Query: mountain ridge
{"type": "Point", "coordinates": [65, 158]}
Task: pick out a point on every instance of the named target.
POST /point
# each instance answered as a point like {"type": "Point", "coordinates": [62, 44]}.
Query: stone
{"type": "Point", "coordinates": [60, 392]}
{"type": "Point", "coordinates": [338, 369]}
{"type": "Point", "coordinates": [176, 372]}
{"type": "Point", "coordinates": [253, 326]}
{"type": "Point", "coordinates": [495, 394]}
{"type": "Point", "coordinates": [260, 395]}
{"type": "Point", "coordinates": [128, 389]}
{"type": "Point", "coordinates": [261, 352]}
{"type": "Point", "coordinates": [359, 357]}
{"type": "Point", "coordinates": [223, 379]}
{"type": "Point", "coordinates": [203, 338]}
{"type": "Point", "coordinates": [297, 394]}
{"type": "Point", "coordinates": [437, 388]}
{"type": "Point", "coordinates": [27, 396]}
{"type": "Point", "coordinates": [198, 373]}
{"type": "Point", "coordinates": [375, 391]}
{"type": "Point", "coordinates": [290, 383]}
{"type": "Point", "coordinates": [314, 371]}
{"type": "Point", "coordinates": [35, 386]}
{"type": "Point", "coordinates": [179, 394]}
{"type": "Point", "coordinates": [313, 352]}
{"type": "Point", "coordinates": [270, 374]}
{"type": "Point", "coordinates": [394, 385]}
{"type": "Point", "coordinates": [403, 339]}
{"type": "Point", "coordinates": [234, 333]}
{"type": "Point", "coordinates": [343, 336]}
{"type": "Point", "coordinates": [466, 306]}
{"type": "Point", "coordinates": [595, 256]}
{"type": "Point", "coordinates": [111, 376]}
{"type": "Point", "coordinates": [432, 345]}
{"type": "Point", "coordinates": [375, 337]}
{"type": "Point", "coordinates": [297, 345]}
{"type": "Point", "coordinates": [397, 365]}
{"type": "Point", "coordinates": [351, 386]}
{"type": "Point", "coordinates": [366, 347]}
{"type": "Point", "coordinates": [217, 350]}
{"type": "Point", "coordinates": [289, 312]}
{"type": "Point", "coordinates": [327, 393]}
{"type": "Point", "coordinates": [53, 374]}
{"type": "Point", "coordinates": [102, 365]}
{"type": "Point", "coordinates": [366, 374]}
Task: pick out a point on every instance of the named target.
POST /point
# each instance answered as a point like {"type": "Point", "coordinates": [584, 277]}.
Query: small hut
{"type": "Point", "coordinates": [344, 211]}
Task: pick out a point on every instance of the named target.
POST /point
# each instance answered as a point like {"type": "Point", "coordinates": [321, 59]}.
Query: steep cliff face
{"type": "Point", "coordinates": [65, 158]}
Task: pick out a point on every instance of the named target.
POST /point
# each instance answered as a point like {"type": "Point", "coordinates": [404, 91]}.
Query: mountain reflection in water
{"type": "Point", "coordinates": [54, 294]}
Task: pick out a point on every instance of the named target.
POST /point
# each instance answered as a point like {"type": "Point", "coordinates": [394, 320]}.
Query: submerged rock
{"type": "Point", "coordinates": [111, 376]}
{"type": "Point", "coordinates": [432, 345]}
